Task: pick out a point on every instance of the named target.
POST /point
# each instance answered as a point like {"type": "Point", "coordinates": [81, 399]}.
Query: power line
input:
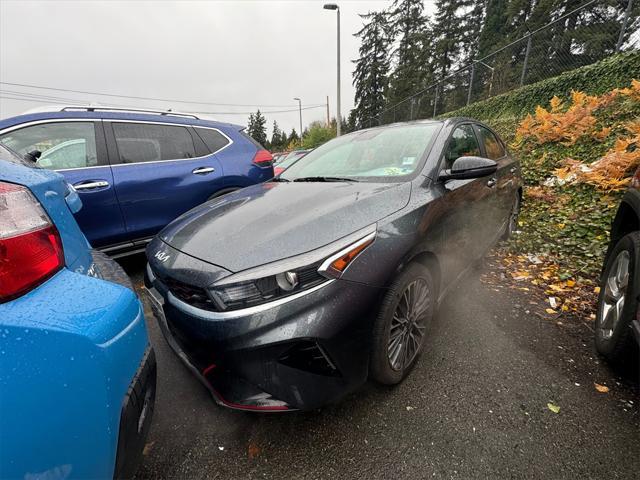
{"type": "Point", "coordinates": [13, 95]}
{"type": "Point", "coordinates": [134, 97]}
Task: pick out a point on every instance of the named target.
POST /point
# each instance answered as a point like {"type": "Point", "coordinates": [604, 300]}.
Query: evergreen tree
{"type": "Point", "coordinates": [413, 55]}
{"type": "Point", "coordinates": [277, 143]}
{"type": "Point", "coordinates": [256, 128]}
{"type": "Point", "coordinates": [370, 77]}
{"type": "Point", "coordinates": [293, 139]}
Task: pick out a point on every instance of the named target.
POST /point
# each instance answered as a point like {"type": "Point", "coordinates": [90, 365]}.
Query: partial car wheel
{"type": "Point", "coordinates": [617, 302]}
{"type": "Point", "coordinates": [111, 270]}
{"type": "Point", "coordinates": [399, 330]}
{"type": "Point", "coordinates": [512, 226]}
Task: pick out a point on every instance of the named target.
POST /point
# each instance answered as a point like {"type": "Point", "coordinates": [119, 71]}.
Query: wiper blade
{"type": "Point", "coordinates": [279, 179]}
{"type": "Point", "coordinates": [324, 179]}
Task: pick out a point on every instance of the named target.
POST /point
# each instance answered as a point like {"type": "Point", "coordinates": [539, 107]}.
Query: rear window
{"type": "Point", "coordinates": [213, 139]}
{"type": "Point", "coordinates": [140, 142]}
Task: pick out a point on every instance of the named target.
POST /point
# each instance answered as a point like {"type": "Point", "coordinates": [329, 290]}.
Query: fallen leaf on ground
{"type": "Point", "coordinates": [553, 407]}
{"type": "Point", "coordinates": [253, 450]}
{"type": "Point", "coordinates": [551, 311]}
{"type": "Point", "coordinates": [147, 448]}
{"type": "Point", "coordinates": [601, 388]}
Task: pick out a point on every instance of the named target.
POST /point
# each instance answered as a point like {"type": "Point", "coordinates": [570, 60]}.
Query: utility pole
{"type": "Point", "coordinates": [334, 6]}
{"type": "Point", "coordinates": [300, 110]}
{"type": "Point", "coordinates": [328, 117]}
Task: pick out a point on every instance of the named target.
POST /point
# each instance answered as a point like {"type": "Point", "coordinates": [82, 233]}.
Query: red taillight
{"type": "Point", "coordinates": [635, 181]}
{"type": "Point", "coordinates": [263, 158]}
{"type": "Point", "coordinates": [277, 170]}
{"type": "Point", "coordinates": [30, 246]}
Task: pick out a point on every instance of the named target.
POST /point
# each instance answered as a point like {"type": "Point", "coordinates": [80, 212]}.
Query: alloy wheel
{"type": "Point", "coordinates": [615, 292]}
{"type": "Point", "coordinates": [408, 325]}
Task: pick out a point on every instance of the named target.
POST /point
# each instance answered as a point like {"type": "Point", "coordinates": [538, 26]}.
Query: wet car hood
{"type": "Point", "coordinates": [276, 220]}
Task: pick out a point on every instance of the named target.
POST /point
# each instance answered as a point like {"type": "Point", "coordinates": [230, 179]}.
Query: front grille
{"type": "Point", "coordinates": [194, 296]}
{"type": "Point", "coordinates": [198, 297]}
{"type": "Point", "coordinates": [309, 276]}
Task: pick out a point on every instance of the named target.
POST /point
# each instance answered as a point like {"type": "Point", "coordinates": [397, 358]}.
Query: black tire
{"type": "Point", "coordinates": [514, 213]}
{"type": "Point", "coordinates": [381, 368]}
{"type": "Point", "coordinates": [617, 344]}
{"type": "Point", "coordinates": [110, 270]}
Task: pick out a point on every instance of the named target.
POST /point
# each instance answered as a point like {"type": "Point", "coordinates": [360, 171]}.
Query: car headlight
{"type": "Point", "coordinates": [284, 278]}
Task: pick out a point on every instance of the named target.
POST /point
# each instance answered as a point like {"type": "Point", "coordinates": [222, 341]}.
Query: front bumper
{"type": "Point", "coordinates": [295, 355]}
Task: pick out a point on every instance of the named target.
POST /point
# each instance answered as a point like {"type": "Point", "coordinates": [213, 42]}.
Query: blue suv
{"type": "Point", "coordinates": [77, 372]}
{"type": "Point", "coordinates": [135, 170]}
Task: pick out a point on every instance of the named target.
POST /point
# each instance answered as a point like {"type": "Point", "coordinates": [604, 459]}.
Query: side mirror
{"type": "Point", "coordinates": [33, 156]}
{"type": "Point", "coordinates": [469, 167]}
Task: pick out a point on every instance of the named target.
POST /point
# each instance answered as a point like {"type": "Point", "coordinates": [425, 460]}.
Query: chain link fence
{"type": "Point", "coordinates": [579, 38]}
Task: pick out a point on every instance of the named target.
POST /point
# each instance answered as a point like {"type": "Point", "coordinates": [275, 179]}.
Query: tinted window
{"type": "Point", "coordinates": [142, 142]}
{"type": "Point", "coordinates": [378, 154]}
{"type": "Point", "coordinates": [62, 144]}
{"type": "Point", "coordinates": [463, 143]}
{"type": "Point", "coordinates": [492, 146]}
{"type": "Point", "coordinates": [213, 139]}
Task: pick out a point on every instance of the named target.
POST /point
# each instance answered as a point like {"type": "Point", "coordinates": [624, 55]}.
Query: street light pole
{"type": "Point", "coordinates": [334, 6]}
{"type": "Point", "coordinates": [300, 110]}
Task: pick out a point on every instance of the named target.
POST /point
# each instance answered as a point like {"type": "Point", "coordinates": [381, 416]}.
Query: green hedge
{"type": "Point", "coordinates": [598, 78]}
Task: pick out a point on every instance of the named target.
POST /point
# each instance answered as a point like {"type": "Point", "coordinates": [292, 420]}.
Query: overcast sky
{"type": "Point", "coordinates": [259, 53]}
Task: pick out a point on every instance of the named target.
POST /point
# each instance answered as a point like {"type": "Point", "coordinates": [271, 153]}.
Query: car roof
{"type": "Point", "coordinates": [113, 113]}
{"type": "Point", "coordinates": [452, 121]}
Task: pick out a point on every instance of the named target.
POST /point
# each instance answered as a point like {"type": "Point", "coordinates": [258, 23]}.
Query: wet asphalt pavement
{"type": "Point", "coordinates": [475, 406]}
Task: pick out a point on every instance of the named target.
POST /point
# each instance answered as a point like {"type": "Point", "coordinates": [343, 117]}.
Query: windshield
{"type": "Point", "coordinates": [382, 154]}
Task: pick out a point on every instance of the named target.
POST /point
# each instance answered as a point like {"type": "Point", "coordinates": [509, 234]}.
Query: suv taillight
{"type": "Point", "coordinates": [263, 158]}
{"type": "Point", "coordinates": [635, 181]}
{"type": "Point", "coordinates": [30, 246]}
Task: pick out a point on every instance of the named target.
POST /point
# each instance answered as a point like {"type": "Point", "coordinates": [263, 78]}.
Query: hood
{"type": "Point", "coordinates": [276, 220]}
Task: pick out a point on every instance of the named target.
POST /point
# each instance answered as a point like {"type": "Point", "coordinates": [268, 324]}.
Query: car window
{"type": "Point", "coordinates": [213, 139]}
{"type": "Point", "coordinates": [463, 143]}
{"type": "Point", "coordinates": [374, 154]}
{"type": "Point", "coordinates": [492, 146]}
{"type": "Point", "coordinates": [62, 145]}
{"type": "Point", "coordinates": [143, 142]}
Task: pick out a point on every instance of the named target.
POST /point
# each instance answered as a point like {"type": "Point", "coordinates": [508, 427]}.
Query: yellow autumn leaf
{"type": "Point", "coordinates": [553, 407]}
{"type": "Point", "coordinates": [596, 290]}
{"type": "Point", "coordinates": [571, 283]}
{"type": "Point", "coordinates": [565, 308]}
{"type": "Point", "coordinates": [601, 388]}
{"type": "Point", "coordinates": [551, 311]}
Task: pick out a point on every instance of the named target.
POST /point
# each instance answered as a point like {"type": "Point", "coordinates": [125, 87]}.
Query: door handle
{"type": "Point", "coordinates": [203, 170]}
{"type": "Point", "coordinates": [492, 182]}
{"type": "Point", "coordinates": [90, 185]}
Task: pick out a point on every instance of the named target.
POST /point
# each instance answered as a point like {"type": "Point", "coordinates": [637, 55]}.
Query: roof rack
{"type": "Point", "coordinates": [93, 108]}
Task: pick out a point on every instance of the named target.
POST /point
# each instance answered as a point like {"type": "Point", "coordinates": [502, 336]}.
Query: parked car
{"type": "Point", "coordinates": [285, 162]}
{"type": "Point", "coordinates": [277, 156]}
{"type": "Point", "coordinates": [77, 372]}
{"type": "Point", "coordinates": [278, 304]}
{"type": "Point", "coordinates": [136, 170]}
{"type": "Point", "coordinates": [618, 314]}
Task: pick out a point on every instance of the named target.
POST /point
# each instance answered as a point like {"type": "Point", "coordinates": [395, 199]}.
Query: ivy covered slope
{"type": "Point", "coordinates": [578, 137]}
